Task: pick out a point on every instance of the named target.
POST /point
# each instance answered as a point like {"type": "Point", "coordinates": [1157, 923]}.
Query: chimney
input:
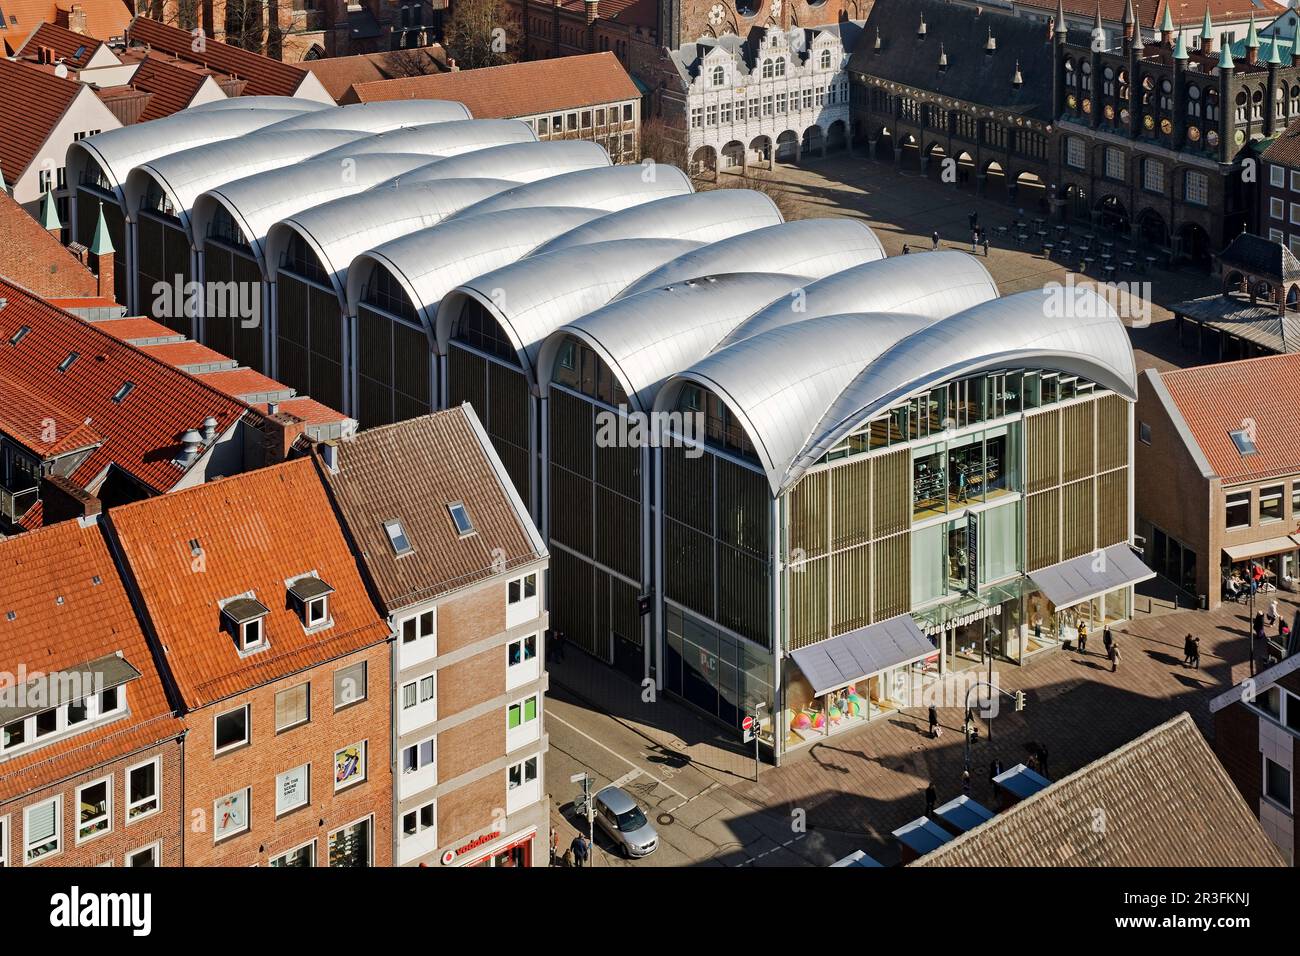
{"type": "Point", "coordinates": [329, 455]}
{"type": "Point", "coordinates": [61, 500]}
{"type": "Point", "coordinates": [77, 18]}
{"type": "Point", "coordinates": [281, 430]}
{"type": "Point", "coordinates": [102, 266]}
{"type": "Point", "coordinates": [591, 10]}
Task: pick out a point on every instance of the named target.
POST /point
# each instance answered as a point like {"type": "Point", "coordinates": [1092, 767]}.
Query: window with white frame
{"type": "Point", "coordinates": [302, 856]}
{"type": "Point", "coordinates": [350, 685]}
{"type": "Point", "coordinates": [1196, 188]}
{"type": "Point", "coordinates": [1153, 176]}
{"type": "Point", "coordinates": [767, 69]}
{"type": "Point", "coordinates": [1295, 181]}
{"type": "Point", "coordinates": [1277, 784]}
{"type": "Point", "coordinates": [419, 820]}
{"type": "Point", "coordinates": [417, 692]}
{"type": "Point", "coordinates": [1276, 208]}
{"type": "Point", "coordinates": [1074, 152]}
{"type": "Point", "coordinates": [780, 104]}
{"type": "Point", "coordinates": [521, 712]}
{"type": "Point", "coordinates": [1276, 175]}
{"type": "Point", "coordinates": [521, 651]}
{"type": "Point", "coordinates": [697, 117]}
{"type": "Point", "coordinates": [56, 721]}
{"type": "Point", "coordinates": [292, 789]}
{"type": "Point", "coordinates": [753, 107]}
{"type": "Point", "coordinates": [521, 589]}
{"type": "Point", "coordinates": [94, 809]}
{"type": "Point", "coordinates": [1237, 510]}
{"type": "Point", "coordinates": [42, 830]}
{"type": "Point", "coordinates": [780, 66]}
{"type": "Point", "coordinates": [1114, 163]}
{"type": "Point", "coordinates": [724, 112]}
{"type": "Point", "coordinates": [826, 59]}
{"type": "Point", "coordinates": [522, 773]}
{"type": "Point", "coordinates": [230, 814]}
{"type": "Point", "coordinates": [819, 96]}
{"type": "Point", "coordinates": [350, 765]}
{"type": "Point", "coordinates": [719, 76]}
{"type": "Point", "coordinates": [145, 856]}
{"type": "Point", "coordinates": [767, 105]}
{"type": "Point", "coordinates": [350, 846]}
{"type": "Point", "coordinates": [1277, 235]}
{"type": "Point", "coordinates": [711, 115]}
{"type": "Point", "coordinates": [1294, 244]}
{"type": "Point", "coordinates": [1270, 503]}
{"type": "Point", "coordinates": [418, 628]}
{"type": "Point", "coordinates": [143, 789]}
{"type": "Point", "coordinates": [418, 756]}
{"type": "Point", "coordinates": [293, 707]}
{"type": "Point", "coordinates": [231, 729]}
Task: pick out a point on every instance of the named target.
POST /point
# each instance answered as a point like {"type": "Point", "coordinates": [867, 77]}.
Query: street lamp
{"type": "Point", "coordinates": [1018, 697]}
{"type": "Point", "coordinates": [589, 811]}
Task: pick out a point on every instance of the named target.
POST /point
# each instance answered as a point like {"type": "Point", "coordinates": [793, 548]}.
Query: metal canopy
{"type": "Point", "coordinates": [1262, 549]}
{"type": "Point", "coordinates": [100, 674]}
{"type": "Point", "coordinates": [922, 835]}
{"type": "Point", "coordinates": [962, 813]}
{"type": "Point", "coordinates": [832, 664]}
{"type": "Point", "coordinates": [1090, 575]}
{"type": "Point", "coordinates": [1021, 782]}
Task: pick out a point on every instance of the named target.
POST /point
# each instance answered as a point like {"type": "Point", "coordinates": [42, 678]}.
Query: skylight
{"type": "Point", "coordinates": [19, 335]}
{"type": "Point", "coordinates": [397, 537]}
{"type": "Point", "coordinates": [460, 516]}
{"type": "Point", "coordinates": [123, 392]}
{"type": "Point", "coordinates": [67, 362]}
{"type": "Point", "coordinates": [1245, 444]}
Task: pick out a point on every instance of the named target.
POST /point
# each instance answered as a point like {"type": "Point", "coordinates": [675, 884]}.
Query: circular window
{"type": "Point", "coordinates": [1166, 127]}
{"type": "Point", "coordinates": [1239, 137]}
{"type": "Point", "coordinates": [1193, 92]}
{"type": "Point", "coordinates": [1257, 96]}
{"type": "Point", "coordinates": [1166, 86]}
{"type": "Point", "coordinates": [1212, 138]}
{"type": "Point", "coordinates": [1124, 117]}
{"type": "Point", "coordinates": [1241, 99]}
{"type": "Point", "coordinates": [1193, 133]}
{"type": "Point", "coordinates": [1108, 73]}
{"type": "Point", "coordinates": [1148, 122]}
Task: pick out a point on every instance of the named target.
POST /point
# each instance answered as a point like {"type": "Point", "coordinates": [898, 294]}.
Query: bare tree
{"type": "Point", "coordinates": [481, 33]}
{"type": "Point", "coordinates": [759, 180]}
{"type": "Point", "coordinates": [244, 24]}
{"type": "Point", "coordinates": [663, 142]}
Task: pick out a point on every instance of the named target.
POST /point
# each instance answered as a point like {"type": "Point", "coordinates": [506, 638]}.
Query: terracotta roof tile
{"type": "Point", "coordinates": [255, 531]}
{"type": "Point", "coordinates": [74, 49]}
{"type": "Point", "coordinates": [339, 73]}
{"type": "Point", "coordinates": [172, 87]}
{"type": "Point", "coordinates": [517, 89]}
{"type": "Point", "coordinates": [41, 426]}
{"type": "Point", "coordinates": [141, 431]}
{"type": "Point", "coordinates": [266, 77]}
{"type": "Point", "coordinates": [189, 356]}
{"type": "Point", "coordinates": [1216, 400]}
{"type": "Point", "coordinates": [105, 19]}
{"type": "Point", "coordinates": [33, 258]}
{"type": "Point", "coordinates": [137, 328]}
{"type": "Point", "coordinates": [1168, 802]}
{"type": "Point", "coordinates": [91, 621]}
{"type": "Point", "coordinates": [310, 411]}
{"type": "Point", "coordinates": [389, 473]}
{"type": "Point", "coordinates": [33, 102]}
{"type": "Point", "coordinates": [1285, 149]}
{"type": "Point", "coordinates": [245, 384]}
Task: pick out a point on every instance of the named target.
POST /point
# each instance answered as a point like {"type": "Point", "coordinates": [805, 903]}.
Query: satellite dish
{"type": "Point", "coordinates": [61, 70]}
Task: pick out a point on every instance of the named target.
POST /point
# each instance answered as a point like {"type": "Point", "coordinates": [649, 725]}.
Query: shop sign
{"type": "Point", "coordinates": [473, 844]}
{"type": "Point", "coordinates": [972, 553]}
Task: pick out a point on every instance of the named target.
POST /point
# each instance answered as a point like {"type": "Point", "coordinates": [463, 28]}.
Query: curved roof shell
{"type": "Point", "coordinates": [897, 284]}
{"type": "Point", "coordinates": [647, 338]}
{"type": "Point", "coordinates": [257, 202]}
{"type": "Point", "coordinates": [806, 247]}
{"type": "Point", "coordinates": [700, 217]}
{"type": "Point", "coordinates": [533, 297]}
{"type": "Point", "coordinates": [610, 188]}
{"type": "Point", "coordinates": [118, 151]}
{"type": "Point", "coordinates": [185, 175]}
{"type": "Point", "coordinates": [377, 117]}
{"type": "Point", "coordinates": [522, 162]}
{"type": "Point", "coordinates": [293, 103]}
{"type": "Point", "coordinates": [450, 138]}
{"type": "Point", "coordinates": [431, 262]}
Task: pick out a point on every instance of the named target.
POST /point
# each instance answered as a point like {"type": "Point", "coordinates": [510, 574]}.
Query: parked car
{"type": "Point", "coordinates": [620, 817]}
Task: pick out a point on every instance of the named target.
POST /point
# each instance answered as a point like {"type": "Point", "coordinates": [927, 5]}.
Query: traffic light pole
{"type": "Point", "coordinates": [1018, 697]}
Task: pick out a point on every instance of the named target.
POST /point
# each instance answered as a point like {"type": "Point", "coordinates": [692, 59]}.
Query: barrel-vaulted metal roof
{"type": "Point", "coordinates": [610, 188]}
{"type": "Point", "coordinates": [533, 297]}
{"type": "Point", "coordinates": [896, 284]}
{"type": "Point", "coordinates": [389, 114]}
{"type": "Point", "coordinates": [257, 202]}
{"type": "Point", "coordinates": [118, 151]}
{"type": "Point", "coordinates": [445, 139]}
{"type": "Point", "coordinates": [807, 247]}
{"type": "Point", "coordinates": [799, 387]}
{"type": "Point", "coordinates": [184, 176]}
{"type": "Point", "coordinates": [520, 162]}
{"type": "Point", "coordinates": [701, 217]}
{"type": "Point", "coordinates": [294, 103]}
{"type": "Point", "coordinates": [431, 262]}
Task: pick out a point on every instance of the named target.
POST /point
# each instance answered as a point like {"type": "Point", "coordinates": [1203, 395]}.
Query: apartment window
{"type": "Point", "coordinates": [1237, 513]}
{"type": "Point", "coordinates": [1114, 163]}
{"type": "Point", "coordinates": [767, 69]}
{"type": "Point", "coordinates": [711, 115]}
{"type": "Point", "coordinates": [541, 126]}
{"type": "Point", "coordinates": [417, 821]}
{"type": "Point", "coordinates": [350, 845]}
{"type": "Point", "coordinates": [350, 685]}
{"type": "Point", "coordinates": [1277, 176]}
{"type": "Point", "coordinates": [600, 117]}
{"type": "Point", "coordinates": [820, 95]}
{"type": "Point", "coordinates": [753, 107]}
{"type": "Point", "coordinates": [1276, 209]}
{"type": "Point", "coordinates": [397, 537]}
{"type": "Point", "coordinates": [94, 809]}
{"type": "Point", "coordinates": [1277, 784]}
{"type": "Point", "coordinates": [780, 66]}
{"type": "Point", "coordinates": [292, 789]}
{"type": "Point", "coordinates": [627, 113]}
{"type": "Point", "coordinates": [719, 76]}
{"type": "Point", "coordinates": [725, 112]}
{"type": "Point", "coordinates": [143, 789]}
{"type": "Point", "coordinates": [1295, 508]}
{"type": "Point", "coordinates": [826, 59]}
{"type": "Point", "coordinates": [521, 773]}
{"type": "Point", "coordinates": [767, 105]}
{"type": "Point", "coordinates": [145, 856]}
{"type": "Point", "coordinates": [521, 589]}
{"type": "Point", "coordinates": [1153, 176]}
{"type": "Point", "coordinates": [417, 692]}
{"type": "Point", "coordinates": [522, 650]}
{"type": "Point", "coordinates": [1197, 188]}
{"type": "Point", "coordinates": [43, 830]}
{"type": "Point", "coordinates": [557, 124]}
{"type": "Point", "coordinates": [1277, 235]}
{"type": "Point", "coordinates": [1144, 433]}
{"type": "Point", "coordinates": [1294, 213]}
{"type": "Point", "coordinates": [292, 707]}
{"type": "Point", "coordinates": [1295, 181]}
{"type": "Point", "coordinates": [230, 814]}
{"type": "Point", "coordinates": [586, 119]}
{"type": "Point", "coordinates": [350, 765]}
{"type": "Point", "coordinates": [807, 98]}
{"type": "Point", "coordinates": [1074, 152]}
{"type": "Point", "coordinates": [697, 117]}
{"type": "Point", "coordinates": [418, 756]}
{"type": "Point", "coordinates": [572, 121]}
{"type": "Point", "coordinates": [521, 712]}
{"type": "Point", "coordinates": [417, 628]}
{"type": "Point", "coordinates": [1270, 503]}
{"type": "Point", "coordinates": [303, 856]}
{"type": "Point", "coordinates": [232, 729]}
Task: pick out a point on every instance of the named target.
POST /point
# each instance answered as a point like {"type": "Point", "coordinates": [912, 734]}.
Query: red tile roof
{"type": "Point", "coordinates": [266, 77]}
{"type": "Point", "coordinates": [241, 382]}
{"type": "Point", "coordinates": [1263, 392]}
{"type": "Point", "coordinates": [136, 328]}
{"type": "Point", "coordinates": [41, 426]}
{"type": "Point", "coordinates": [141, 433]}
{"type": "Point", "coordinates": [1186, 13]}
{"type": "Point", "coordinates": [74, 49]}
{"type": "Point", "coordinates": [64, 618]}
{"type": "Point", "coordinates": [516, 89]}
{"type": "Point", "coordinates": [255, 531]}
{"type": "Point", "coordinates": [184, 355]}
{"type": "Point", "coordinates": [308, 410]}
{"type": "Point", "coordinates": [33, 103]}
{"type": "Point", "coordinates": [105, 19]}
{"type": "Point", "coordinates": [339, 73]}
{"type": "Point", "coordinates": [33, 258]}
{"type": "Point", "coordinates": [173, 87]}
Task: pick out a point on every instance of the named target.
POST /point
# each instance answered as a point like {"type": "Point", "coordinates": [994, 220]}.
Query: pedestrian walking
{"type": "Point", "coordinates": [965, 782]}
{"type": "Point", "coordinates": [1196, 652]}
{"type": "Point", "coordinates": [1273, 614]}
{"type": "Point", "coordinates": [931, 798]}
{"type": "Point", "coordinates": [984, 241]}
{"type": "Point", "coordinates": [934, 240]}
{"type": "Point", "coordinates": [1113, 654]}
{"type": "Point", "coordinates": [974, 242]}
{"type": "Point", "coordinates": [1187, 650]}
{"type": "Point", "coordinates": [1106, 639]}
{"type": "Point", "coordinates": [555, 846]}
{"type": "Point", "coordinates": [580, 848]}
{"type": "Point", "coordinates": [995, 770]}
{"type": "Point", "coordinates": [906, 249]}
{"type": "Point", "coordinates": [934, 723]}
{"type": "Point", "coordinates": [1083, 638]}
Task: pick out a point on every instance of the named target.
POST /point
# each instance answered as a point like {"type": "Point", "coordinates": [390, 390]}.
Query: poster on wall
{"type": "Point", "coordinates": [349, 765]}
{"type": "Point", "coordinates": [291, 789]}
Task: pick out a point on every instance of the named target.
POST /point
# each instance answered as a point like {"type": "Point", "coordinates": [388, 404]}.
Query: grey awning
{"type": "Point", "coordinates": [830, 665]}
{"type": "Point", "coordinates": [961, 814]}
{"type": "Point", "coordinates": [1021, 781]}
{"type": "Point", "coordinates": [68, 684]}
{"type": "Point", "coordinates": [1090, 575]}
{"type": "Point", "coordinates": [922, 835]}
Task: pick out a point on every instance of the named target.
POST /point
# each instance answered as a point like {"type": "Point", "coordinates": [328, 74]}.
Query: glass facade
{"type": "Point", "coordinates": [723, 675]}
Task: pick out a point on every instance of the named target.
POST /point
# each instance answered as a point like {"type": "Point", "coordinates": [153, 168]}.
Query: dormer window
{"type": "Point", "coordinates": [397, 537]}
{"type": "Point", "coordinates": [311, 596]}
{"type": "Point", "coordinates": [460, 518]}
{"type": "Point", "coordinates": [81, 706]}
{"type": "Point", "coordinates": [247, 619]}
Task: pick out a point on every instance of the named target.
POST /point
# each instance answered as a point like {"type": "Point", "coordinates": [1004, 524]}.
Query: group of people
{"type": "Point", "coordinates": [1109, 646]}
{"type": "Point", "coordinates": [1192, 651]}
{"type": "Point", "coordinates": [979, 237]}
{"type": "Point", "coordinates": [577, 854]}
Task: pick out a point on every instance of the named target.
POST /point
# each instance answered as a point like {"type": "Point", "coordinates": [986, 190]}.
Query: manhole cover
{"type": "Point", "coordinates": [665, 819]}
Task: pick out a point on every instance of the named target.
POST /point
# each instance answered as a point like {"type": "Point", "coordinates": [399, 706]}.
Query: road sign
{"type": "Point", "coordinates": [578, 778]}
{"type": "Point", "coordinates": [747, 723]}
{"type": "Point", "coordinates": [750, 726]}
